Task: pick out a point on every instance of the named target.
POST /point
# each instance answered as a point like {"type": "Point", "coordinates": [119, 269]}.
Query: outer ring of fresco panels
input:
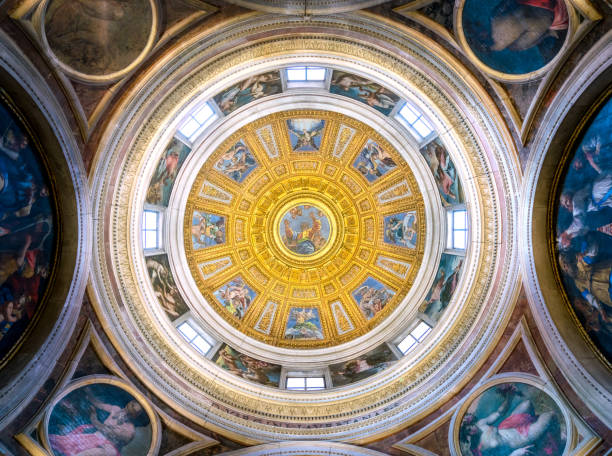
{"type": "Point", "coordinates": [493, 190]}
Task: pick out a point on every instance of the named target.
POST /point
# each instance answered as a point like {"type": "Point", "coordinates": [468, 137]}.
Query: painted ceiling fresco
{"type": "Point", "coordinates": [584, 230]}
{"type": "Point", "coordinates": [291, 235]}
{"type": "Point", "coordinates": [27, 230]}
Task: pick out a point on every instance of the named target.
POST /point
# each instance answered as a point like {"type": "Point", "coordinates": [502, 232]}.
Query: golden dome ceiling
{"type": "Point", "coordinates": [304, 229]}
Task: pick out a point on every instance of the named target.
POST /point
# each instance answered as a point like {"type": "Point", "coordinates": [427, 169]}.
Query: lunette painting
{"type": "Point", "coordinates": [362, 367]}
{"type": "Point", "coordinates": [165, 287]}
{"type": "Point", "coordinates": [444, 172]}
{"type": "Point", "coordinates": [27, 230]}
{"type": "Point", "coordinates": [363, 90]}
{"type": "Point", "coordinates": [251, 89]}
{"type": "Point", "coordinates": [444, 286]}
{"type": "Point", "coordinates": [99, 417]}
{"type": "Point", "coordinates": [98, 37]}
{"type": "Point", "coordinates": [248, 368]}
{"type": "Point", "coordinates": [584, 230]}
{"type": "Point", "coordinates": [515, 36]}
{"type": "Point", "coordinates": [512, 419]}
{"type": "Point", "coordinates": [165, 174]}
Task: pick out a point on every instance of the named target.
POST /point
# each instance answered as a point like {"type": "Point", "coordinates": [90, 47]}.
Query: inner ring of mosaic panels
{"type": "Point", "coordinates": [304, 229]}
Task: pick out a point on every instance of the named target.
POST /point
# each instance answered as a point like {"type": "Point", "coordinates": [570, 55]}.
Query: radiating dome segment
{"type": "Point", "coordinates": [304, 229]}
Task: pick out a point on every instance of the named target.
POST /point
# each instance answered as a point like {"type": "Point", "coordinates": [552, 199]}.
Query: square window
{"type": "Point", "coordinates": [296, 74]}
{"type": "Point", "coordinates": [201, 344]}
{"type": "Point", "coordinates": [407, 344]}
{"type": "Point", "coordinates": [409, 114]}
{"type": "Point", "coordinates": [313, 383]}
{"type": "Point", "coordinates": [187, 331]}
{"type": "Point", "coordinates": [422, 127]}
{"type": "Point", "coordinates": [421, 330]}
{"type": "Point", "coordinates": [315, 74]}
{"type": "Point", "coordinates": [203, 114]}
{"type": "Point", "coordinates": [189, 127]}
{"type": "Point", "coordinates": [296, 383]}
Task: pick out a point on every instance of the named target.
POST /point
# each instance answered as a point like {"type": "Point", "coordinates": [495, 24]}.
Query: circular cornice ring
{"type": "Point", "coordinates": [418, 383]}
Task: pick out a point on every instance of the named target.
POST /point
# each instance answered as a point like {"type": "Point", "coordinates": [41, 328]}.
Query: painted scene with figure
{"type": "Point", "coordinates": [237, 162]}
{"type": "Point", "coordinates": [236, 297]}
{"type": "Point", "coordinates": [251, 89]}
{"type": "Point", "coordinates": [363, 366]}
{"type": "Point", "coordinates": [373, 161]}
{"type": "Point", "coordinates": [515, 36]}
{"type": "Point", "coordinates": [304, 323]}
{"type": "Point", "coordinates": [584, 230]}
{"type": "Point", "coordinates": [27, 230]}
{"type": "Point", "coordinates": [305, 134]}
{"type": "Point", "coordinates": [99, 419]}
{"type": "Point", "coordinates": [304, 229]}
{"type": "Point", "coordinates": [165, 174]}
{"type": "Point", "coordinates": [512, 419]}
{"type": "Point", "coordinates": [364, 90]}
{"type": "Point", "coordinates": [401, 229]}
{"type": "Point", "coordinates": [164, 286]}
{"type": "Point", "coordinates": [248, 368]}
{"type": "Point", "coordinates": [444, 172]}
{"type": "Point", "coordinates": [444, 286]}
{"type": "Point", "coordinates": [207, 230]}
{"type": "Point", "coordinates": [372, 297]}
{"type": "Point", "coordinates": [98, 37]}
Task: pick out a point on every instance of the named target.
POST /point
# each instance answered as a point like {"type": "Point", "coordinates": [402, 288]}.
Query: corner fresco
{"type": "Point", "coordinates": [304, 323]}
{"type": "Point", "coordinates": [305, 134]}
{"type": "Point", "coordinates": [27, 231]}
{"type": "Point", "coordinates": [444, 286]}
{"type": "Point", "coordinates": [165, 174]}
{"type": "Point", "coordinates": [364, 90]}
{"type": "Point", "coordinates": [207, 230]}
{"type": "Point", "coordinates": [236, 297]}
{"type": "Point", "coordinates": [512, 419]}
{"type": "Point", "coordinates": [98, 37]}
{"type": "Point", "coordinates": [248, 368]}
{"type": "Point", "coordinates": [584, 231]}
{"type": "Point", "coordinates": [237, 163]}
{"type": "Point", "coordinates": [372, 297]}
{"type": "Point", "coordinates": [373, 161]}
{"type": "Point", "coordinates": [362, 367]}
{"type": "Point", "coordinates": [515, 36]}
{"type": "Point", "coordinates": [401, 229]}
{"type": "Point", "coordinates": [250, 89]}
{"type": "Point", "coordinates": [99, 418]}
{"type": "Point", "coordinates": [164, 286]}
{"type": "Point", "coordinates": [444, 172]}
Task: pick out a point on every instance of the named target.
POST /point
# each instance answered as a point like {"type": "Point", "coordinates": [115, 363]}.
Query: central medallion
{"type": "Point", "coordinates": [304, 229]}
{"type": "Point", "coordinates": [301, 249]}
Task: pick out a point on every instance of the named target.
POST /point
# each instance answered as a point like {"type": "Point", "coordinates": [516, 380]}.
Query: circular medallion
{"type": "Point", "coordinates": [305, 229]}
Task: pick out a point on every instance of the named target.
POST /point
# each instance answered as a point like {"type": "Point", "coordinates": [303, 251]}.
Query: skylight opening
{"type": "Point", "coordinates": [194, 338]}
{"type": "Point", "coordinates": [305, 383]}
{"type": "Point", "coordinates": [197, 121]}
{"type": "Point", "coordinates": [150, 230]}
{"type": "Point", "coordinates": [411, 116]}
{"type": "Point", "coordinates": [416, 336]}
{"type": "Point", "coordinates": [457, 229]}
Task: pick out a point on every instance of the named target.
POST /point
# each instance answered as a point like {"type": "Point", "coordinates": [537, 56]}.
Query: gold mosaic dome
{"type": "Point", "coordinates": [304, 229]}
